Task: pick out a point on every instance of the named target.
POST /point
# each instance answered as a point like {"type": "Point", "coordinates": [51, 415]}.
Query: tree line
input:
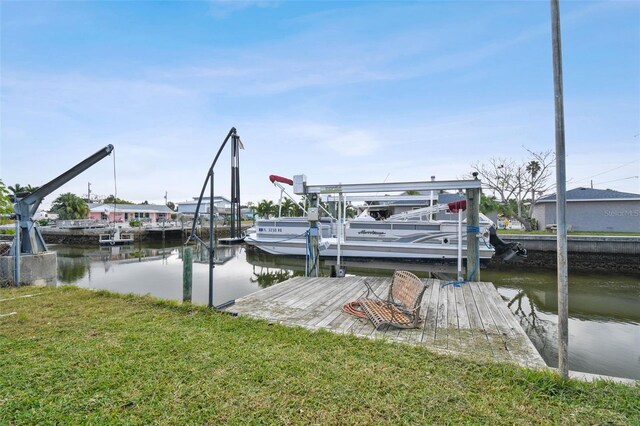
{"type": "Point", "coordinates": [67, 206]}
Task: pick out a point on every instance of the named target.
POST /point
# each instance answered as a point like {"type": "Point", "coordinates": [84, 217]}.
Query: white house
{"type": "Point", "coordinates": [591, 209]}
{"type": "Point", "coordinates": [222, 206]}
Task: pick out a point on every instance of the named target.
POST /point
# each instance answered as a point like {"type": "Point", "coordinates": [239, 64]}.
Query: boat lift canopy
{"type": "Point", "coordinates": [300, 186]}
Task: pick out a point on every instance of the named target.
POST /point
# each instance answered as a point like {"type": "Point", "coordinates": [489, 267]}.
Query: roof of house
{"type": "Point", "coordinates": [141, 208]}
{"type": "Point", "coordinates": [446, 198]}
{"type": "Point", "coordinates": [205, 200]}
{"type": "Point", "coordinates": [592, 194]}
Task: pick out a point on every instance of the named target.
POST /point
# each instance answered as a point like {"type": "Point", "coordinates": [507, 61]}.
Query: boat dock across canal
{"type": "Point", "coordinates": [468, 318]}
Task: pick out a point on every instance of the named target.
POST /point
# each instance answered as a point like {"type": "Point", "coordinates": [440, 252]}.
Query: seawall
{"type": "Point", "coordinates": [585, 253]}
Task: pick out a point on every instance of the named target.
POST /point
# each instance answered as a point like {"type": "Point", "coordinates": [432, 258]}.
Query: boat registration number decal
{"type": "Point", "coordinates": [270, 229]}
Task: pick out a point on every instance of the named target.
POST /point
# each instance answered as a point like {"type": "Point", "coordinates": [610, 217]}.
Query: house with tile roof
{"type": "Point", "coordinates": [590, 209]}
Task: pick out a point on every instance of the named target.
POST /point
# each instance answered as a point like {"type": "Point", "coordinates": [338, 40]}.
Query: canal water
{"type": "Point", "coordinates": [604, 324]}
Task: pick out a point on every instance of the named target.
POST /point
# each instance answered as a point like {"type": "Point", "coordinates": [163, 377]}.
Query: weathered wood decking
{"type": "Point", "coordinates": [471, 319]}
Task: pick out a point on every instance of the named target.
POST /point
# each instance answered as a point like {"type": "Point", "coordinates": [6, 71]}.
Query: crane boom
{"type": "Point", "coordinates": [31, 241]}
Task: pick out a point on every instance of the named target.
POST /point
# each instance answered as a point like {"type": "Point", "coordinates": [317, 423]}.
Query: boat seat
{"type": "Point", "coordinates": [401, 307]}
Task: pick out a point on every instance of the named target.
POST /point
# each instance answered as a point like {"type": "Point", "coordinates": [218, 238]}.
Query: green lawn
{"type": "Point", "coordinates": [73, 356]}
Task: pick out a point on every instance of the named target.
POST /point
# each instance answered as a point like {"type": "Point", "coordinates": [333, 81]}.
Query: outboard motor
{"type": "Point", "coordinates": [506, 251]}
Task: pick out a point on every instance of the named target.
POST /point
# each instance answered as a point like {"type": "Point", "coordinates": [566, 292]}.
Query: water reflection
{"type": "Point", "coordinates": [71, 269]}
{"type": "Point", "coordinates": [604, 324]}
{"type": "Point", "coordinates": [604, 318]}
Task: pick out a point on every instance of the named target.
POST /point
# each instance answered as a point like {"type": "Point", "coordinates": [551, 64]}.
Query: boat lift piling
{"type": "Point", "coordinates": [473, 229]}
{"type": "Point", "coordinates": [235, 194]}
{"type": "Point", "coordinates": [471, 187]}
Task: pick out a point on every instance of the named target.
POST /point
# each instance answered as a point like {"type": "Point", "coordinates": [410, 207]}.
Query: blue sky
{"type": "Point", "coordinates": [345, 92]}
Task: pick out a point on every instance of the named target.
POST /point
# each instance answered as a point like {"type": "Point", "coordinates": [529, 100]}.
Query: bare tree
{"type": "Point", "coordinates": [518, 182]}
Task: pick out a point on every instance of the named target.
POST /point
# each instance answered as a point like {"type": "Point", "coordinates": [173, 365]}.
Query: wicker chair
{"type": "Point", "coordinates": [401, 308]}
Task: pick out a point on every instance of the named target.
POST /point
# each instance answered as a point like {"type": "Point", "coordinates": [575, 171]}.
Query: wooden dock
{"type": "Point", "coordinates": [471, 319]}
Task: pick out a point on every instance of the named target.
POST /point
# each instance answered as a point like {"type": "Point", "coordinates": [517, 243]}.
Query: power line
{"type": "Point", "coordinates": [616, 180]}
{"type": "Point", "coordinates": [607, 171]}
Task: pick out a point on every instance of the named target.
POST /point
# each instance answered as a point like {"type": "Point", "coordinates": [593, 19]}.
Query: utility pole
{"type": "Point", "coordinates": [88, 192]}
{"type": "Point", "coordinates": [165, 198]}
{"type": "Point", "coordinates": [561, 196]}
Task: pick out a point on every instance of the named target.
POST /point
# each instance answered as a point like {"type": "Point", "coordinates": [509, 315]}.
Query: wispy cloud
{"type": "Point", "coordinates": [225, 8]}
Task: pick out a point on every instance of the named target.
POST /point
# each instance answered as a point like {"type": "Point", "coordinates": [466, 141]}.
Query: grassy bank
{"type": "Point", "coordinates": [74, 356]}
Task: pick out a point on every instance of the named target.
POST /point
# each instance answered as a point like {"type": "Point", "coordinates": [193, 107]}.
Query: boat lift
{"type": "Point", "coordinates": [471, 187]}
{"type": "Point", "coordinates": [28, 240]}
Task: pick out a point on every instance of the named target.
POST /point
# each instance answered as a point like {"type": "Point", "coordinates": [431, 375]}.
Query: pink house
{"type": "Point", "coordinates": [149, 213]}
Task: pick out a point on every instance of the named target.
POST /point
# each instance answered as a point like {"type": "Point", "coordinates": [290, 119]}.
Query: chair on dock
{"type": "Point", "coordinates": [401, 308]}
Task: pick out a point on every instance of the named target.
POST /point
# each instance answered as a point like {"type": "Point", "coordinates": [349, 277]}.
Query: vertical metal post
{"type": "Point", "coordinates": [139, 238]}
{"type": "Point", "coordinates": [460, 277]}
{"type": "Point", "coordinates": [16, 254]}
{"type": "Point", "coordinates": [339, 234]}
{"type": "Point", "coordinates": [238, 205]}
{"type": "Point", "coordinates": [473, 227]}
{"type": "Point", "coordinates": [433, 178]}
{"type": "Point", "coordinates": [211, 250]}
{"type": "Point", "coordinates": [235, 187]}
{"type": "Point", "coordinates": [315, 230]}
{"type": "Point", "coordinates": [232, 222]}
{"type": "Point", "coordinates": [561, 197]}
{"type": "Point", "coordinates": [187, 273]}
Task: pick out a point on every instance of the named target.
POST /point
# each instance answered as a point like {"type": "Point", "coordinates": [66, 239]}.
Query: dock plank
{"type": "Point", "coordinates": [479, 336]}
{"type": "Point", "coordinates": [332, 309]}
{"type": "Point", "coordinates": [453, 332]}
{"type": "Point", "coordinates": [440, 335]}
{"type": "Point", "coordinates": [471, 319]}
{"type": "Point", "coordinates": [493, 331]}
{"type": "Point", "coordinates": [431, 313]}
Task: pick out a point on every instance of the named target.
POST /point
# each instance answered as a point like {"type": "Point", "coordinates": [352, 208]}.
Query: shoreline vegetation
{"type": "Point", "coordinates": [75, 356]}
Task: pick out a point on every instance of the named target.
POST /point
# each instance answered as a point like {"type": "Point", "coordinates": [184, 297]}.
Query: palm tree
{"type": "Point", "coordinates": [533, 167]}
{"type": "Point", "coordinates": [288, 207]}
{"type": "Point", "coordinates": [70, 206]}
{"type": "Point", "coordinates": [19, 189]}
{"type": "Point", "coordinates": [265, 208]}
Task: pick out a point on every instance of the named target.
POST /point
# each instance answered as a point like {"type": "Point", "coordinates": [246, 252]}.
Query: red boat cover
{"type": "Point", "coordinates": [276, 178]}
{"type": "Point", "coordinates": [456, 206]}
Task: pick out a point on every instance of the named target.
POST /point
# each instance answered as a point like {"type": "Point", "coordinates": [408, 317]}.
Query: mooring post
{"type": "Point", "coordinates": [211, 237]}
{"type": "Point", "coordinates": [187, 273]}
{"type": "Point", "coordinates": [473, 228]}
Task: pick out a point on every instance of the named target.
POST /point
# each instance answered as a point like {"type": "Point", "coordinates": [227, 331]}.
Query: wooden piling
{"type": "Point", "coordinates": [187, 274]}
{"type": "Point", "coordinates": [473, 228]}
